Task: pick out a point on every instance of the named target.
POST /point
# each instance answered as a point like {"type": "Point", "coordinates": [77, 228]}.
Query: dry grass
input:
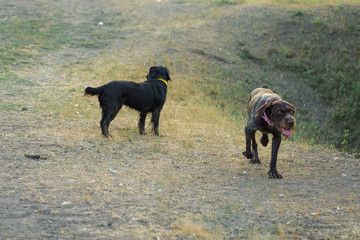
{"type": "Point", "coordinates": [189, 228]}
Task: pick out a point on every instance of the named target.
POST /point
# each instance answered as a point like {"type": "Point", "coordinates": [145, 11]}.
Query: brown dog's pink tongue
{"type": "Point", "coordinates": [287, 133]}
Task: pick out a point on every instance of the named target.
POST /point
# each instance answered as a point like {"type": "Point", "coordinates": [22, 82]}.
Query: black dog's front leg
{"type": "Point", "coordinates": [141, 123]}
{"type": "Point", "coordinates": [251, 142]}
{"type": "Point", "coordinates": [155, 121]}
{"type": "Point", "coordinates": [276, 141]}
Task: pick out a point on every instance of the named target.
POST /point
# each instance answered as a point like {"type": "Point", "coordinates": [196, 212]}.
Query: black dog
{"type": "Point", "coordinates": [268, 113]}
{"type": "Point", "coordinates": [148, 96]}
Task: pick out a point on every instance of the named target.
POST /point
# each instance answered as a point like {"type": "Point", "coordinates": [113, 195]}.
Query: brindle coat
{"type": "Point", "coordinates": [268, 113]}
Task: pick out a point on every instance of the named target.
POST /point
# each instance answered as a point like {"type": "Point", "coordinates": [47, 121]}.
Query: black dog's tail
{"type": "Point", "coordinates": [93, 91]}
{"type": "Point", "coordinates": [265, 86]}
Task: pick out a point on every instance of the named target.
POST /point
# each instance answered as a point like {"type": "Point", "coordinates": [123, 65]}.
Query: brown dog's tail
{"type": "Point", "coordinates": [93, 91]}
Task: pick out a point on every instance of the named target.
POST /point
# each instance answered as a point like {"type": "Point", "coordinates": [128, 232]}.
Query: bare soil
{"type": "Point", "coordinates": [60, 179]}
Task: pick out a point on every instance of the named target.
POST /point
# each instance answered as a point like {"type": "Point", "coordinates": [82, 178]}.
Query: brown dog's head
{"type": "Point", "coordinates": [280, 114]}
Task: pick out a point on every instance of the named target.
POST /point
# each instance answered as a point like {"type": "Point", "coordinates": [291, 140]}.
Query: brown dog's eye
{"type": "Point", "coordinates": [280, 112]}
{"type": "Point", "coordinates": [291, 112]}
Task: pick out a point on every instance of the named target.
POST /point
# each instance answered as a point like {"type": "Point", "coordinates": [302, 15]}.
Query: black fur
{"type": "Point", "coordinates": [146, 97]}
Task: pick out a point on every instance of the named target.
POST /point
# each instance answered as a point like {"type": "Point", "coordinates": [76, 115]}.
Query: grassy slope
{"type": "Point", "coordinates": [303, 54]}
{"type": "Point", "coordinates": [192, 182]}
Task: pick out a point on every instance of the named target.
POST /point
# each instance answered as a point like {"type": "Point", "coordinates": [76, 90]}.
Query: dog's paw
{"type": "Point", "coordinates": [255, 160]}
{"type": "Point", "coordinates": [274, 175]}
{"type": "Point", "coordinates": [264, 140]}
{"type": "Point", "coordinates": [105, 132]}
{"type": "Point", "coordinates": [248, 155]}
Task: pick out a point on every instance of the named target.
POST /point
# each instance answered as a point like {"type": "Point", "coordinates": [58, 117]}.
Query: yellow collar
{"type": "Point", "coordinates": [164, 81]}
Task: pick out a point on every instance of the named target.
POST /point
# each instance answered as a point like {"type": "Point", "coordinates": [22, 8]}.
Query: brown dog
{"type": "Point", "coordinates": [268, 113]}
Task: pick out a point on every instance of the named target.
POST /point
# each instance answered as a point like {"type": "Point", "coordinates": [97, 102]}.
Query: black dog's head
{"type": "Point", "coordinates": [281, 114]}
{"type": "Point", "coordinates": [158, 72]}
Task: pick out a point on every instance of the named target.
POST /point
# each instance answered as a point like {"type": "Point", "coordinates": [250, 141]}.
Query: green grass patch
{"type": "Point", "coordinates": [317, 51]}
{"type": "Point", "coordinates": [332, 70]}
{"type": "Point", "coordinates": [27, 37]}
{"type": "Point", "coordinates": [12, 107]}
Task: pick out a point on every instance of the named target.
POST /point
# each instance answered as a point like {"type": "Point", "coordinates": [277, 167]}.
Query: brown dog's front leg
{"type": "Point", "coordinates": [273, 173]}
{"type": "Point", "coordinates": [264, 139]}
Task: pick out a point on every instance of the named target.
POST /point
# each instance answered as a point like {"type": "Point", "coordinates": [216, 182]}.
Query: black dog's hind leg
{"type": "Point", "coordinates": [273, 173]}
{"type": "Point", "coordinates": [141, 123]}
{"type": "Point", "coordinates": [251, 143]}
{"type": "Point", "coordinates": [155, 121]}
{"type": "Point", "coordinates": [108, 114]}
{"type": "Point", "coordinates": [104, 127]}
{"type": "Point", "coordinates": [264, 140]}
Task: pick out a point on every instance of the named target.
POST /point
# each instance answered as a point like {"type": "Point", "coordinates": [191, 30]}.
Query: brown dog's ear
{"type": "Point", "coordinates": [265, 108]}
{"type": "Point", "coordinates": [292, 107]}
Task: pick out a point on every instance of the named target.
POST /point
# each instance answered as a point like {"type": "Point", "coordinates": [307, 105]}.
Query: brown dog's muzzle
{"type": "Point", "coordinates": [287, 125]}
{"type": "Point", "coordinates": [290, 122]}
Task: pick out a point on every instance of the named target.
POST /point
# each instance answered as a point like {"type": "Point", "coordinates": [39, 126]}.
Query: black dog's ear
{"type": "Point", "coordinates": [152, 73]}
{"type": "Point", "coordinates": [167, 73]}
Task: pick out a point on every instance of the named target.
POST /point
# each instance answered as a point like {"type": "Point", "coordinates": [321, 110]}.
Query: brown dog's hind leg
{"type": "Point", "coordinates": [251, 143]}
{"type": "Point", "coordinates": [248, 154]}
{"type": "Point", "coordinates": [255, 159]}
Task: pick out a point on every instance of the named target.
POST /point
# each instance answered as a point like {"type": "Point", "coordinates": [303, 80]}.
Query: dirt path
{"type": "Point", "coordinates": [192, 182]}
